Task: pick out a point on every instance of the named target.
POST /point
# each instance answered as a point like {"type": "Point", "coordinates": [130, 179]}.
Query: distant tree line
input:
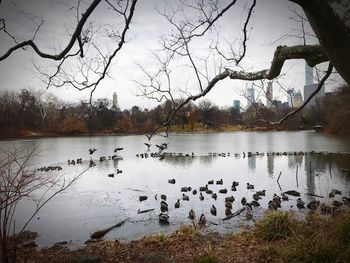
{"type": "Point", "coordinates": [26, 111]}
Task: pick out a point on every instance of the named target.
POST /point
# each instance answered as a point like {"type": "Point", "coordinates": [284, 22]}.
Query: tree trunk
{"type": "Point", "coordinates": [331, 22]}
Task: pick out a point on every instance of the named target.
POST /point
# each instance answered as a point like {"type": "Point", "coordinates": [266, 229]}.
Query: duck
{"type": "Point", "coordinates": [234, 183]}
{"type": "Point", "coordinates": [208, 191]}
{"type": "Point", "coordinates": [163, 206]}
{"type": "Point", "coordinates": [191, 214]}
{"type": "Point", "coordinates": [228, 211]}
{"type": "Point", "coordinates": [142, 198]}
{"type": "Point", "coordinates": [228, 204]}
{"type": "Point", "coordinates": [91, 151]}
{"type": "Point", "coordinates": [213, 210]}
{"type": "Point", "coordinates": [256, 197]}
{"type": "Point", "coordinates": [163, 218]}
{"type": "Point", "coordinates": [111, 175]}
{"type": "Point", "coordinates": [277, 200]}
{"type": "Point", "coordinates": [249, 213]}
{"type": "Point", "coordinates": [177, 204]}
{"type": "Point", "coordinates": [185, 197]}
{"type": "Point", "coordinates": [250, 186]}
{"type": "Point", "coordinates": [201, 197]}
{"type": "Point", "coordinates": [272, 205]}
{"type": "Point", "coordinates": [233, 188]}
{"type": "Point", "coordinates": [103, 158]}
{"type": "Point", "coordinates": [337, 203]}
{"type": "Point", "coordinates": [261, 193]}
{"type": "Point", "coordinates": [118, 149]}
{"type": "Point", "coordinates": [284, 197]}
{"type": "Point", "coordinates": [325, 209]}
{"type": "Point", "coordinates": [148, 145]}
{"type": "Point", "coordinates": [243, 201]}
{"type": "Point", "coordinates": [255, 203]}
{"type": "Point", "coordinates": [229, 199]}
{"type": "Point", "coordinates": [313, 205]}
{"type": "Point", "coordinates": [346, 200]}
{"type": "Point", "coordinates": [219, 181]}
{"type": "Point", "coordinates": [194, 192]}
{"type": "Point", "coordinates": [163, 197]}
{"type": "Point", "coordinates": [223, 191]}
{"type": "Point", "coordinates": [186, 189]}
{"type": "Point", "coordinates": [203, 188]}
{"type": "Point", "coordinates": [211, 182]}
{"type": "Point", "coordinates": [171, 181]}
{"type": "Point", "coordinates": [214, 196]}
{"type": "Point", "coordinates": [300, 203]}
{"type": "Point", "coordinates": [202, 221]}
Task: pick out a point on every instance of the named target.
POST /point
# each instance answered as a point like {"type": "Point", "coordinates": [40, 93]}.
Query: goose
{"type": "Point", "coordinates": [228, 204]}
{"type": "Point", "coordinates": [243, 201]}
{"type": "Point", "coordinates": [213, 210]}
{"type": "Point", "coordinates": [163, 197]}
{"type": "Point", "coordinates": [214, 196]}
{"type": "Point", "coordinates": [234, 183]}
{"type": "Point", "coordinates": [186, 189]}
{"type": "Point", "coordinates": [92, 163]}
{"type": "Point", "coordinates": [191, 215]}
{"type": "Point", "coordinates": [201, 197]}
{"type": "Point", "coordinates": [103, 158]}
{"type": "Point", "coordinates": [277, 200]}
{"type": "Point", "coordinates": [211, 182]}
{"type": "Point", "coordinates": [255, 203]}
{"type": "Point", "coordinates": [160, 147]}
{"type": "Point", "coordinates": [228, 211]}
{"type": "Point", "coordinates": [163, 206]}
{"type": "Point", "coordinates": [185, 197]}
{"type": "Point", "coordinates": [119, 171]}
{"type": "Point", "coordinates": [272, 205]}
{"type": "Point", "coordinates": [337, 203]}
{"type": "Point", "coordinates": [313, 205]}
{"type": "Point", "coordinates": [111, 175]}
{"type": "Point", "coordinates": [233, 188]}
{"type": "Point", "coordinates": [325, 209]}
{"type": "Point", "coordinates": [285, 197]}
{"type": "Point", "coordinates": [177, 204]}
{"type": "Point", "coordinates": [72, 162]}
{"type": "Point", "coordinates": [194, 192]}
{"type": "Point", "coordinates": [208, 191]}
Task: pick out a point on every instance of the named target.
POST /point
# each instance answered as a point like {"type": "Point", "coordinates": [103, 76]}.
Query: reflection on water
{"type": "Point", "coordinates": [97, 201]}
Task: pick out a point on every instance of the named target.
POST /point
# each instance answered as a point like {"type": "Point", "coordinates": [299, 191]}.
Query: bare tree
{"type": "Point", "coordinates": [20, 181]}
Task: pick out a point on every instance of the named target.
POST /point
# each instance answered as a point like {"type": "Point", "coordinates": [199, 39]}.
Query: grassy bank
{"type": "Point", "coordinates": [277, 237]}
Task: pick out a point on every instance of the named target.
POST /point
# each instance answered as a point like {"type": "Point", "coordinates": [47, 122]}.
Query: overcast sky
{"type": "Point", "coordinates": [271, 20]}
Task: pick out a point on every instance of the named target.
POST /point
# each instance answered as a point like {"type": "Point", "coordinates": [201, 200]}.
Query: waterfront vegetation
{"type": "Point", "coordinates": [277, 237]}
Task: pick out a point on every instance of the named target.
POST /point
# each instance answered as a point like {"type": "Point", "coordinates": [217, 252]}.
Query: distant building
{"type": "Point", "coordinates": [237, 106]}
{"type": "Point", "coordinates": [310, 87]}
{"type": "Point", "coordinates": [290, 93]}
{"type": "Point", "coordinates": [278, 104]}
{"type": "Point", "coordinates": [297, 99]}
{"type": "Point", "coordinates": [250, 96]}
{"type": "Point", "coordinates": [269, 94]}
{"type": "Point", "coordinates": [115, 106]}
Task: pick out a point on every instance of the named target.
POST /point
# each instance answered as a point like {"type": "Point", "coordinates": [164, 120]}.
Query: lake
{"type": "Point", "coordinates": [97, 201]}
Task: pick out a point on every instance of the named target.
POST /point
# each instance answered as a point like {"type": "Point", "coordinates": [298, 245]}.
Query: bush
{"type": "Point", "coordinates": [276, 225]}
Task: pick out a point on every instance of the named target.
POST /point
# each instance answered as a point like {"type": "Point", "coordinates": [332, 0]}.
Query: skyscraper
{"type": "Point", "coordinates": [250, 96]}
{"type": "Point", "coordinates": [115, 101]}
{"type": "Point", "coordinates": [269, 94]}
{"type": "Point", "coordinates": [297, 99]}
{"type": "Point", "coordinates": [290, 93]}
{"type": "Point", "coordinates": [310, 87]}
{"type": "Point", "coordinates": [237, 106]}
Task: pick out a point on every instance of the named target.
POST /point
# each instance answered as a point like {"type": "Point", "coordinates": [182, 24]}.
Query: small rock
{"type": "Point", "coordinates": [61, 243]}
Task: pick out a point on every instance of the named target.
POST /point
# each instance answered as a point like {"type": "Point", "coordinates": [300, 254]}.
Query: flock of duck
{"type": "Point", "coordinates": [247, 206]}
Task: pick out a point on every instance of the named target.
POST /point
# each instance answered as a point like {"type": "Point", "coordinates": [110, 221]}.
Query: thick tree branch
{"type": "Point", "coordinates": [69, 46]}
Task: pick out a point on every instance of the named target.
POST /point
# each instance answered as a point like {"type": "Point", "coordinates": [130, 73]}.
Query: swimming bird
{"type": "Point", "coordinates": [191, 215]}
{"type": "Point", "coordinates": [202, 221]}
{"type": "Point", "coordinates": [223, 191]}
{"type": "Point", "coordinates": [313, 205]}
{"type": "Point", "coordinates": [243, 201]}
{"type": "Point", "coordinates": [91, 151]}
{"type": "Point", "coordinates": [163, 218]}
{"type": "Point", "coordinates": [194, 192]}
{"type": "Point", "coordinates": [213, 210]}
{"type": "Point", "coordinates": [228, 211]}
{"type": "Point", "coordinates": [234, 183]}
{"type": "Point", "coordinates": [201, 197]}
{"type": "Point", "coordinates": [256, 197]}
{"type": "Point", "coordinates": [163, 197]}
{"type": "Point", "coordinates": [208, 191]}
{"type": "Point", "coordinates": [261, 193]}
{"type": "Point", "coordinates": [229, 199]}
{"type": "Point", "coordinates": [214, 196]}
{"type": "Point", "coordinates": [163, 206]}
{"type": "Point", "coordinates": [142, 198]}
{"type": "Point", "coordinates": [300, 203]}
{"type": "Point", "coordinates": [211, 182]}
{"type": "Point", "coordinates": [250, 186]}
{"type": "Point", "coordinates": [118, 149]}
{"type": "Point", "coordinates": [185, 197]}
{"type": "Point", "coordinates": [219, 181]}
{"type": "Point", "coordinates": [186, 189]}
{"type": "Point", "coordinates": [171, 181]}
{"type": "Point", "coordinates": [203, 188]}
{"type": "Point", "coordinates": [177, 204]}
{"type": "Point", "coordinates": [228, 204]}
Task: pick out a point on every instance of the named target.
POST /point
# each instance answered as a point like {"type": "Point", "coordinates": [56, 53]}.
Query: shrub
{"type": "Point", "coordinates": [276, 225]}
